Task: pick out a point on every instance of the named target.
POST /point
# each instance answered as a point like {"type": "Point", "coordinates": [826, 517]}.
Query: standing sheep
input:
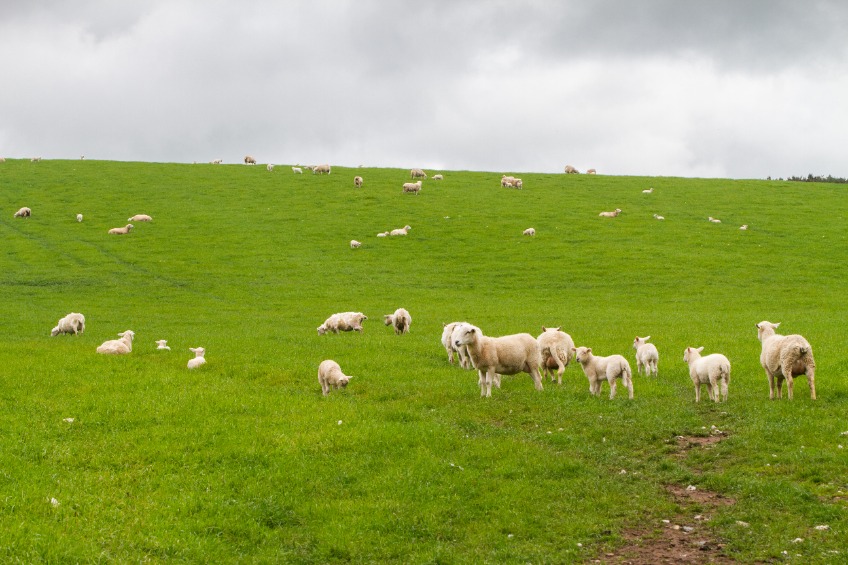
{"type": "Point", "coordinates": [23, 213]}
{"type": "Point", "coordinates": [495, 356]}
{"type": "Point", "coordinates": [401, 320]}
{"type": "Point", "coordinates": [417, 173]}
{"type": "Point", "coordinates": [321, 169]}
{"type": "Point", "coordinates": [413, 187]}
{"type": "Point", "coordinates": [785, 357]}
{"type": "Point", "coordinates": [343, 322]}
{"type": "Point", "coordinates": [248, 160]}
{"type": "Point", "coordinates": [450, 334]}
{"type": "Point", "coordinates": [556, 347]}
{"type": "Point", "coordinates": [712, 370]}
{"type": "Point", "coordinates": [355, 244]}
{"type": "Point", "coordinates": [357, 182]}
{"type": "Point", "coordinates": [647, 356]}
{"type": "Point", "coordinates": [530, 231]}
{"type": "Point", "coordinates": [330, 376]}
{"type": "Point", "coordinates": [597, 368]}
{"type": "Point", "coordinates": [79, 217]}
{"type": "Point", "coordinates": [269, 167]}
{"type": "Point", "coordinates": [297, 170]}
{"type": "Point", "coordinates": [571, 170]}
{"type": "Point", "coordinates": [73, 323]}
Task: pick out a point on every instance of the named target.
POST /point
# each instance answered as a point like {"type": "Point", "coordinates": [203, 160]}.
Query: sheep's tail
{"type": "Point", "coordinates": [803, 350]}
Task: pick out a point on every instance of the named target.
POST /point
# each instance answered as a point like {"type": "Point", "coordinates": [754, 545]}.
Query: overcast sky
{"type": "Point", "coordinates": [711, 88]}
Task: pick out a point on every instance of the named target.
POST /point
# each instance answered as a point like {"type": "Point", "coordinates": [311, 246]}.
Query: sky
{"type": "Point", "coordinates": [693, 88]}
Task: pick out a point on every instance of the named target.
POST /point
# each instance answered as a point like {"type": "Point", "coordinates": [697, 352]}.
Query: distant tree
{"type": "Point", "coordinates": [818, 178]}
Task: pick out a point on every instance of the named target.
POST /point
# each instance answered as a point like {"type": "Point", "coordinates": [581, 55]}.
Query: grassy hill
{"type": "Point", "coordinates": [244, 460]}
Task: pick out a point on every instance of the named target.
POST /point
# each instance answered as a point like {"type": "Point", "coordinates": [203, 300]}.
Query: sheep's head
{"type": "Point", "coordinates": [692, 353]}
{"type": "Point", "coordinates": [128, 334]}
{"type": "Point", "coordinates": [640, 341]}
{"type": "Point", "coordinates": [468, 334]}
{"type": "Point", "coordinates": [582, 354]}
{"type": "Point", "coordinates": [55, 331]}
{"type": "Point", "coordinates": [198, 351]}
{"type": "Point", "coordinates": [344, 380]}
{"type": "Point", "coordinates": [766, 329]}
{"type": "Point", "coordinates": [129, 227]}
{"type": "Point", "coordinates": [322, 329]}
{"type": "Point", "coordinates": [388, 319]}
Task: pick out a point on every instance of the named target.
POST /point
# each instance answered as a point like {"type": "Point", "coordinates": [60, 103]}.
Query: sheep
{"type": "Point", "coordinates": [412, 187]}
{"type": "Point", "coordinates": [162, 344]}
{"type": "Point", "coordinates": [610, 368]}
{"type": "Point", "coordinates": [648, 190]}
{"type": "Point", "coordinates": [518, 183]}
{"type": "Point", "coordinates": [357, 182]}
{"type": "Point", "coordinates": [658, 217]}
{"type": "Point", "coordinates": [297, 170]}
{"type": "Point", "coordinates": [73, 323]}
{"type": "Point", "coordinates": [451, 347]}
{"type": "Point", "coordinates": [383, 234]}
{"type": "Point", "coordinates": [647, 356]}
{"type": "Point", "coordinates": [121, 346]}
{"type": "Point", "coordinates": [35, 160]}
{"type": "Point", "coordinates": [571, 170]}
{"type": "Point", "coordinates": [216, 162]}
{"type": "Point", "coordinates": [714, 220]}
{"type": "Point", "coordinates": [79, 217]}
{"type": "Point", "coordinates": [248, 160]}
{"type": "Point", "coordinates": [743, 227]}
{"type": "Point", "coordinates": [530, 231]}
{"type": "Point", "coordinates": [23, 213]}
{"type": "Point", "coordinates": [712, 370]}
{"type": "Point", "coordinates": [417, 173]}
{"type": "Point", "coordinates": [507, 181]}
{"type": "Point", "coordinates": [199, 358]}
{"type": "Point", "coordinates": [591, 172]}
{"type": "Point", "coordinates": [556, 348]}
{"type": "Point", "coordinates": [438, 177]}
{"type": "Point", "coordinates": [269, 167]}
{"type": "Point", "coordinates": [343, 322]}
{"type": "Point", "coordinates": [330, 376]}
{"type": "Point", "coordinates": [321, 169]}
{"type": "Point", "coordinates": [355, 244]}
{"type": "Point", "coordinates": [2, 159]}
{"type": "Point", "coordinates": [610, 214]}
{"type": "Point", "coordinates": [121, 231]}
{"type": "Point", "coordinates": [140, 218]}
{"type": "Point", "coordinates": [400, 231]}
{"type": "Point", "coordinates": [785, 357]}
{"type": "Point", "coordinates": [82, 157]}
{"type": "Point", "coordinates": [400, 320]}
{"type": "Point", "coordinates": [495, 356]}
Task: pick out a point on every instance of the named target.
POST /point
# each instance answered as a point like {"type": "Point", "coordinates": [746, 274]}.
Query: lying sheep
{"type": "Point", "coordinates": [383, 234]}
{"type": "Point", "coordinates": [400, 231]}
{"type": "Point", "coordinates": [785, 357]}
{"type": "Point", "coordinates": [556, 347]}
{"type": "Point", "coordinates": [248, 160]}
{"type": "Point", "coordinates": [712, 370]}
{"type": "Point", "coordinates": [647, 356]}
{"type": "Point", "coordinates": [648, 190]}
{"type": "Point", "coordinates": [330, 376]}
{"type": "Point", "coordinates": [121, 346]}
{"type": "Point", "coordinates": [714, 220]}
{"type": "Point", "coordinates": [658, 217]}
{"type": "Point", "coordinates": [297, 170]}
{"type": "Point", "coordinates": [610, 214]}
{"type": "Point", "coordinates": [2, 159]}
{"type": "Point", "coordinates": [529, 231]}
{"type": "Point", "coordinates": [199, 358]}
{"type": "Point", "coordinates": [73, 323]}
{"type": "Point", "coordinates": [79, 217]}
{"type": "Point", "coordinates": [140, 218]}
{"type": "Point", "coordinates": [417, 174]}
{"type": "Point", "coordinates": [571, 170]}
{"type": "Point", "coordinates": [121, 231]}
{"type": "Point", "coordinates": [412, 187]}
{"type": "Point", "coordinates": [495, 356]}
{"type": "Point", "coordinates": [23, 213]}
{"type": "Point", "coordinates": [162, 344]}
{"type": "Point", "coordinates": [355, 244]}
{"type": "Point", "coordinates": [400, 320]}
{"type": "Point", "coordinates": [321, 169]}
{"type": "Point", "coordinates": [343, 322]}
{"type": "Point", "coordinates": [357, 182]}
{"type": "Point", "coordinates": [438, 177]}
{"type": "Point", "coordinates": [597, 368]}
{"type": "Point", "coordinates": [743, 227]}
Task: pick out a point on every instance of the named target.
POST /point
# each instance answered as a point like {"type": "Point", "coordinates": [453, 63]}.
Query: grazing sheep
{"type": "Point", "coordinates": [357, 182]}
{"type": "Point", "coordinates": [647, 356]}
{"type": "Point", "coordinates": [400, 320]}
{"type": "Point", "coordinates": [417, 174]}
{"type": "Point", "coordinates": [507, 181]}
{"type": "Point", "coordinates": [248, 160]}
{"type": "Point", "coordinates": [36, 160]}
{"type": "Point", "coordinates": [519, 184]}
{"type": "Point", "coordinates": [269, 167]}
{"type": "Point", "coordinates": [73, 323]}
{"type": "Point", "coordinates": [556, 347]}
{"type": "Point", "coordinates": [412, 187]}
{"type": "Point", "coordinates": [297, 170]}
{"type": "Point", "coordinates": [400, 231]}
{"type": "Point", "coordinates": [121, 346]}
{"type": "Point", "coordinates": [343, 322]}
{"type": "Point", "coordinates": [140, 218]}
{"type": "Point", "coordinates": [23, 213]}
{"type": "Point", "coordinates": [82, 157]}
{"type": "Point", "coordinates": [321, 169]}
{"type": "Point", "coordinates": [355, 244]}
{"type": "Point", "coordinates": [330, 376]}
{"type": "Point", "coordinates": [597, 368]}
{"type": "Point", "coordinates": [448, 341]}
{"type": "Point", "coordinates": [591, 172]}
{"type": "Point", "coordinates": [79, 217]}
{"type": "Point", "coordinates": [648, 190]}
{"type": "Point", "coordinates": [610, 214]}
{"type": "Point", "coordinates": [712, 370]}
{"type": "Point", "coordinates": [785, 357]}
{"type": "Point", "coordinates": [438, 177]}
{"type": "Point", "coordinates": [530, 231]}
{"type": "Point", "coordinates": [383, 234]}
{"type": "Point", "coordinates": [216, 162]}
{"type": "Point", "coordinates": [199, 358]}
{"type": "Point", "coordinates": [121, 231]}
{"type": "Point", "coordinates": [658, 217]}
{"type": "Point", "coordinates": [571, 170]}
{"type": "Point", "coordinates": [743, 227]}
{"type": "Point", "coordinates": [495, 356]}
{"type": "Point", "coordinates": [714, 220]}
{"type": "Point", "coordinates": [162, 344]}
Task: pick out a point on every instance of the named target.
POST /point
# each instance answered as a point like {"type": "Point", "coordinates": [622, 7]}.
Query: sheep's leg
{"type": "Point", "coordinates": [481, 380]}
{"type": "Point", "coordinates": [790, 384]}
{"type": "Point", "coordinates": [490, 377]}
{"type": "Point", "coordinates": [811, 378]}
{"type": "Point", "coordinates": [611, 382]}
{"type": "Point", "coordinates": [724, 389]}
{"type": "Point", "coordinates": [713, 388]}
{"type": "Point", "coordinates": [654, 368]}
{"type": "Point", "coordinates": [779, 378]}
{"type": "Point", "coordinates": [497, 380]}
{"type": "Point", "coordinates": [697, 391]}
{"type": "Point", "coordinates": [560, 370]}
{"type": "Point", "coordinates": [628, 382]}
{"type": "Point", "coordinates": [771, 385]}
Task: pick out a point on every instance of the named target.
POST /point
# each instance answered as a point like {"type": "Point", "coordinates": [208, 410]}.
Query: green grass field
{"type": "Point", "coordinates": [244, 460]}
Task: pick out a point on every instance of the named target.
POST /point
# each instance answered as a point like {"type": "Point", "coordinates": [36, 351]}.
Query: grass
{"type": "Point", "coordinates": [245, 461]}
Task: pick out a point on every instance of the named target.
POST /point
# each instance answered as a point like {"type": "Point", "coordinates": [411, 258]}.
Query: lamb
{"type": "Point", "coordinates": [355, 244]}
{"type": "Point", "coordinates": [610, 368]}
{"type": "Point", "coordinates": [785, 357]}
{"type": "Point", "coordinates": [343, 322]}
{"type": "Point", "coordinates": [743, 227]}
{"type": "Point", "coordinates": [162, 344]}
{"type": "Point", "coordinates": [73, 323]}
{"type": "Point", "coordinates": [248, 160]}
{"type": "Point", "coordinates": [571, 170]}
{"type": "Point", "coordinates": [321, 169]}
{"type": "Point", "coordinates": [610, 214]}
{"type": "Point", "coordinates": [330, 376]}
{"type": "Point", "coordinates": [591, 172]}
{"type": "Point", "coordinates": [23, 213]}
{"type": "Point", "coordinates": [495, 356]}
{"type": "Point", "coordinates": [438, 177]}
{"type": "Point", "coordinates": [648, 190]}
{"type": "Point", "coordinates": [417, 173]}
{"type": "Point", "coordinates": [448, 341]}
{"type": "Point", "coordinates": [140, 218]}
{"type": "Point", "coordinates": [121, 231]}
{"type": "Point", "coordinates": [412, 187]}
{"type": "Point", "coordinates": [712, 370]}
{"type": "Point", "coordinates": [556, 347]}
{"type": "Point", "coordinates": [507, 181]}
{"type": "Point", "coordinates": [518, 183]}
{"type": "Point", "coordinates": [297, 170]}
{"type": "Point", "coordinates": [658, 217]}
{"type": "Point", "coordinates": [530, 231]}
{"type": "Point", "coordinates": [714, 220]}
{"type": "Point", "coordinates": [647, 356]}
{"type": "Point", "coordinates": [400, 231]}
{"type": "Point", "coordinates": [121, 346]}
{"type": "Point", "coordinates": [269, 167]}
{"type": "Point", "coordinates": [401, 320]}
{"type": "Point", "coordinates": [79, 217]}
{"type": "Point", "coordinates": [357, 182]}
{"type": "Point", "coordinates": [383, 234]}
{"type": "Point", "coordinates": [199, 358]}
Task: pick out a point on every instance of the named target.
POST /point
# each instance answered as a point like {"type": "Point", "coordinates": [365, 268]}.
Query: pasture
{"type": "Point", "coordinates": [244, 460]}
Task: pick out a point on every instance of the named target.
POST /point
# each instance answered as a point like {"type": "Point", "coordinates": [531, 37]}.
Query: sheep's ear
{"type": "Point", "coordinates": [776, 324]}
{"type": "Point", "coordinates": [588, 350]}
{"type": "Point", "coordinates": [472, 330]}
{"type": "Point", "coordinates": [556, 329]}
{"type": "Point", "coordinates": [647, 337]}
{"type": "Point", "coordinates": [700, 349]}
{"type": "Point", "coordinates": [544, 329]}
{"type": "Point", "coordinates": [574, 350]}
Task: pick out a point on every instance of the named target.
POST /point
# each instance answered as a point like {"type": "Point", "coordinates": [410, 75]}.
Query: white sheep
{"type": "Point", "coordinates": [648, 190]}
{"type": "Point", "coordinates": [121, 231]}
{"type": "Point", "coordinates": [412, 187]}
{"type": "Point", "coordinates": [355, 244]}
{"type": "Point", "coordinates": [591, 172]}
{"type": "Point", "coordinates": [507, 181]}
{"type": "Point", "coordinates": [438, 177]}
{"type": "Point", "coordinates": [571, 170]}
{"type": "Point", "coordinates": [357, 182]}
{"type": "Point", "coordinates": [613, 214]}
{"type": "Point", "coordinates": [330, 376]}
{"type": "Point", "coordinates": [448, 341]}
{"type": "Point", "coordinates": [216, 162]}
{"type": "Point", "coordinates": [73, 323]}
{"type": "Point", "coordinates": [417, 173]}
{"type": "Point", "coordinates": [2, 159]}
{"type": "Point", "coordinates": [597, 368]}
{"type": "Point", "coordinates": [400, 320]}
{"type": "Point", "coordinates": [162, 344]}
{"type": "Point", "coordinates": [530, 231]}
{"type": "Point", "coordinates": [36, 159]}
{"type": "Point", "coordinates": [519, 184]}
{"type": "Point", "coordinates": [647, 356]}
{"type": "Point", "coordinates": [248, 160]}
{"type": "Point", "coordinates": [23, 213]}
{"type": "Point", "coordinates": [400, 231]}
{"type": "Point", "coordinates": [495, 356]}
{"type": "Point", "coordinates": [343, 322]}
{"type": "Point", "coordinates": [712, 370]}
{"type": "Point", "coordinates": [297, 170]}
{"type": "Point", "coordinates": [140, 218]}
{"type": "Point", "coordinates": [714, 220]}
{"type": "Point", "coordinates": [199, 358]}
{"type": "Point", "coordinates": [121, 346]}
{"type": "Point", "coordinates": [269, 167]}
{"type": "Point", "coordinates": [658, 217]}
{"type": "Point", "coordinates": [785, 357]}
{"type": "Point", "coordinates": [321, 169]}
{"type": "Point", "coordinates": [743, 227]}
{"type": "Point", "coordinates": [383, 234]}
{"type": "Point", "coordinates": [556, 347]}
{"type": "Point", "coordinates": [79, 217]}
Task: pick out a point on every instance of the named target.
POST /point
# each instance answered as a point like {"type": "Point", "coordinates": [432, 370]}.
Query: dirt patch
{"type": "Point", "coordinates": [687, 443]}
